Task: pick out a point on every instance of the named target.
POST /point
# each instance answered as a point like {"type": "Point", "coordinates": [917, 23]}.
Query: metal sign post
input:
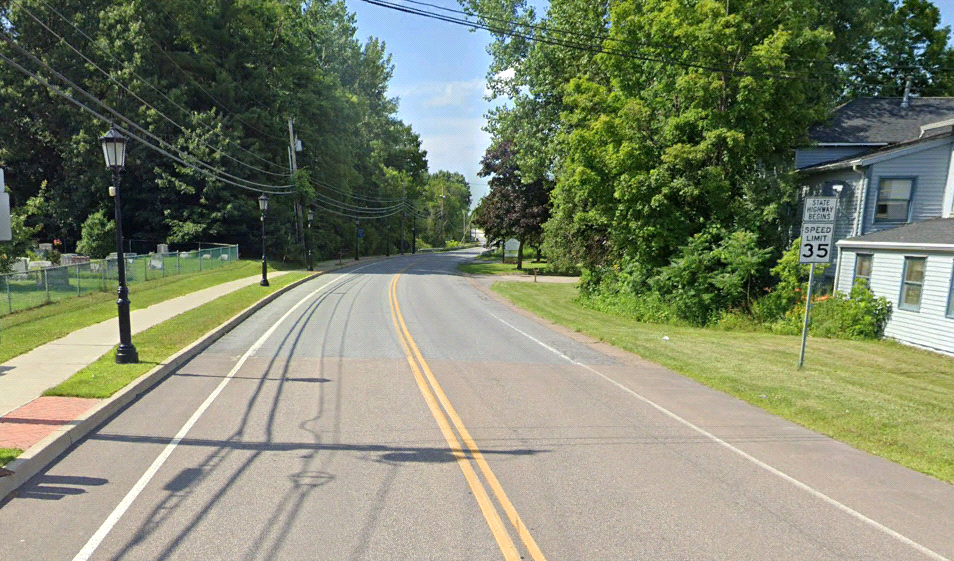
{"type": "Point", "coordinates": [818, 230]}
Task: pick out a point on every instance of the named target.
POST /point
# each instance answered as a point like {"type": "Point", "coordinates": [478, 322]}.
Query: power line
{"type": "Point", "coordinates": [573, 45]}
{"type": "Point", "coordinates": [129, 133]}
{"type": "Point", "coordinates": [355, 195]}
{"type": "Point", "coordinates": [163, 115]}
{"type": "Point", "coordinates": [128, 121]}
{"type": "Point", "coordinates": [206, 92]}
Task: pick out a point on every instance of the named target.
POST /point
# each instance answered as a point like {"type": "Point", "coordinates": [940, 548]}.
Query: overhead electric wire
{"type": "Point", "coordinates": [345, 206]}
{"type": "Point", "coordinates": [43, 81]}
{"type": "Point", "coordinates": [206, 92]}
{"type": "Point", "coordinates": [354, 195]}
{"type": "Point", "coordinates": [183, 109]}
{"type": "Point", "coordinates": [570, 44]}
{"type": "Point", "coordinates": [128, 121]}
{"type": "Point", "coordinates": [147, 104]}
{"type": "Point", "coordinates": [357, 217]}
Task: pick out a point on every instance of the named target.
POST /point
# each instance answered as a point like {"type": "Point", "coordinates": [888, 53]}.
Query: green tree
{"type": "Point", "coordinates": [513, 207]}
{"type": "Point", "coordinates": [99, 236]}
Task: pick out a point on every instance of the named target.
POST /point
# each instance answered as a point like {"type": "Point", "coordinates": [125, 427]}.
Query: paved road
{"type": "Point", "coordinates": [397, 412]}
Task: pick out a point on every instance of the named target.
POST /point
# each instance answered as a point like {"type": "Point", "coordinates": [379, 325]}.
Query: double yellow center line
{"type": "Point", "coordinates": [448, 420]}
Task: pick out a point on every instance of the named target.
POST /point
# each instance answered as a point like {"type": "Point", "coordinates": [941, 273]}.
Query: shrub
{"type": "Point", "coordinates": [99, 236]}
{"type": "Point", "coordinates": [860, 315]}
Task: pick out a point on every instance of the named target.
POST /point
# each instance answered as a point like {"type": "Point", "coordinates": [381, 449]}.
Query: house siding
{"type": "Point", "coordinates": [805, 157]}
{"type": "Point", "coordinates": [929, 167]}
{"type": "Point", "coordinates": [928, 326]}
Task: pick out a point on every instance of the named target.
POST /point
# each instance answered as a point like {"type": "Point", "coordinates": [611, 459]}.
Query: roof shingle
{"type": "Point", "coordinates": [935, 231]}
{"type": "Point", "coordinates": [877, 120]}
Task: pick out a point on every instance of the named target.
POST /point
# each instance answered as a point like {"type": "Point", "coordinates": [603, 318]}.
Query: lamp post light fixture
{"type": "Point", "coordinates": [311, 239]}
{"type": "Point", "coordinates": [114, 149]}
{"type": "Point", "coordinates": [263, 206]}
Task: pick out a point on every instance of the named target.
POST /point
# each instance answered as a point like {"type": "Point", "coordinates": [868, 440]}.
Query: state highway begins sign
{"type": "Point", "coordinates": [818, 230]}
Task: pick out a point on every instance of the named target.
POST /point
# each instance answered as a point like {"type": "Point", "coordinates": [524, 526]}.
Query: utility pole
{"type": "Point", "coordinates": [357, 229]}
{"type": "Point", "coordinates": [293, 165]}
{"type": "Point", "coordinates": [403, 212]}
{"type": "Point", "coordinates": [443, 219]}
{"type": "Point", "coordinates": [463, 225]}
{"type": "Point", "coordinates": [413, 234]}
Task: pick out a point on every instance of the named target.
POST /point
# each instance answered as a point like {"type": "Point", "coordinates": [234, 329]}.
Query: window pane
{"type": "Point", "coordinates": [914, 269]}
{"type": "Point", "coordinates": [863, 266]}
{"type": "Point", "coordinates": [894, 199]}
{"type": "Point", "coordinates": [894, 189]}
{"type": "Point", "coordinates": [912, 295]}
{"type": "Point", "coordinates": [892, 210]}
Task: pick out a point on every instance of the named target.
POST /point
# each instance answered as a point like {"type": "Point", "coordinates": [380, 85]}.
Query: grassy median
{"type": "Point", "coordinates": [26, 330]}
{"type": "Point", "coordinates": [104, 377]}
{"type": "Point", "coordinates": [888, 399]}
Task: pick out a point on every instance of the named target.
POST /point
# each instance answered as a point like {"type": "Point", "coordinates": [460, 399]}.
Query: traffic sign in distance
{"type": "Point", "coordinates": [816, 243]}
{"type": "Point", "coordinates": [360, 232]}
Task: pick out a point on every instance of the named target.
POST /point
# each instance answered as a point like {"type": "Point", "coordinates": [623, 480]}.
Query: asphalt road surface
{"type": "Point", "coordinates": [397, 411]}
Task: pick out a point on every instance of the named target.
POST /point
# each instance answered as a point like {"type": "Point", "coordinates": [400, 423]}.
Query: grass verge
{"type": "Point", "coordinates": [104, 377]}
{"type": "Point", "coordinates": [7, 455]}
{"type": "Point", "coordinates": [482, 268]}
{"type": "Point", "coordinates": [26, 330]}
{"type": "Point", "coordinates": [882, 397]}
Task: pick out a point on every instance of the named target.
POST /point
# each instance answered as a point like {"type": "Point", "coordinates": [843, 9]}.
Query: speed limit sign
{"type": "Point", "coordinates": [816, 243]}
{"type": "Point", "coordinates": [818, 230]}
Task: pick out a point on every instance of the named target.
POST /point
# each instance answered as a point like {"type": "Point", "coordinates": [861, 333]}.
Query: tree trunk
{"type": "Point", "coordinates": [538, 254]}
{"type": "Point", "coordinates": [520, 256]}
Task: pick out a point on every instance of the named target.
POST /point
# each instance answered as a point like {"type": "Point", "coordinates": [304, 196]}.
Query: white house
{"type": "Point", "coordinates": [913, 267]}
{"type": "Point", "coordinates": [887, 160]}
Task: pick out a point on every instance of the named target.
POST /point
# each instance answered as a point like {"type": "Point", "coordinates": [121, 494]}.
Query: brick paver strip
{"type": "Point", "coordinates": [24, 427]}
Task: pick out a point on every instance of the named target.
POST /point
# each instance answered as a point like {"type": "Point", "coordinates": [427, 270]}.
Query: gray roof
{"type": "Point", "coordinates": [935, 231]}
{"type": "Point", "coordinates": [876, 154]}
{"type": "Point", "coordinates": [882, 120]}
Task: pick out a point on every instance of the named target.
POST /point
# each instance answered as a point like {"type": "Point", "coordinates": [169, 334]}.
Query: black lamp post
{"type": "Point", "coordinates": [311, 239]}
{"type": "Point", "coordinates": [263, 206]}
{"type": "Point", "coordinates": [114, 149]}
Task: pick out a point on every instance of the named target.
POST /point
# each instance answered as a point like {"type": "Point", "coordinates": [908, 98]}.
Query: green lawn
{"type": "Point", "coordinates": [498, 268]}
{"type": "Point", "coordinates": [28, 329]}
{"type": "Point", "coordinates": [104, 377]}
{"type": "Point", "coordinates": [7, 455]}
{"type": "Point", "coordinates": [879, 396]}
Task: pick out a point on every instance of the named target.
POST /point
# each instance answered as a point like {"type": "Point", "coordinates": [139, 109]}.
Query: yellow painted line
{"type": "Point", "coordinates": [497, 528]}
{"type": "Point", "coordinates": [522, 532]}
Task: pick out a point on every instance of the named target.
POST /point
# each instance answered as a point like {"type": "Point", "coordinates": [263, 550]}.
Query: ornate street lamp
{"type": "Point", "coordinates": [263, 206]}
{"type": "Point", "coordinates": [311, 239]}
{"type": "Point", "coordinates": [114, 149]}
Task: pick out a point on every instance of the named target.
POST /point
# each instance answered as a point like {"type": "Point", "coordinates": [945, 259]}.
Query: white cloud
{"type": "Point", "coordinates": [435, 95]}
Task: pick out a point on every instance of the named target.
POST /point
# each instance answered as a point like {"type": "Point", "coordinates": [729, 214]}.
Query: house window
{"type": "Point", "coordinates": [894, 199]}
{"type": "Point", "coordinates": [863, 263]}
{"type": "Point", "coordinates": [912, 283]}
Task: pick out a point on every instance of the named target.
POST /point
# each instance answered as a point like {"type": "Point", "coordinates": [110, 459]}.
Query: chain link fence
{"type": "Point", "coordinates": [32, 288]}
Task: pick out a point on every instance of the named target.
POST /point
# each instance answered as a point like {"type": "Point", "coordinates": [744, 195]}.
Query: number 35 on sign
{"type": "Point", "coordinates": [816, 243]}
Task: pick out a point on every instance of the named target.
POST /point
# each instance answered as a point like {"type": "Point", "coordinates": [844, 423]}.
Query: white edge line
{"type": "Point", "coordinates": [815, 493]}
{"type": "Point", "coordinates": [133, 493]}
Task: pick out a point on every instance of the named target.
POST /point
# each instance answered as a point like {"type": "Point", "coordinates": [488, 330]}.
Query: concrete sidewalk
{"type": "Point", "coordinates": [27, 376]}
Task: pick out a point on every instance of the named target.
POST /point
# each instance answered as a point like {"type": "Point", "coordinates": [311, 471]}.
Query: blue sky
{"type": "Point", "coordinates": [439, 75]}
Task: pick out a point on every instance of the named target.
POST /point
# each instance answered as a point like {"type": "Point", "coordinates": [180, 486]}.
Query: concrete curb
{"type": "Point", "coordinates": [43, 453]}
